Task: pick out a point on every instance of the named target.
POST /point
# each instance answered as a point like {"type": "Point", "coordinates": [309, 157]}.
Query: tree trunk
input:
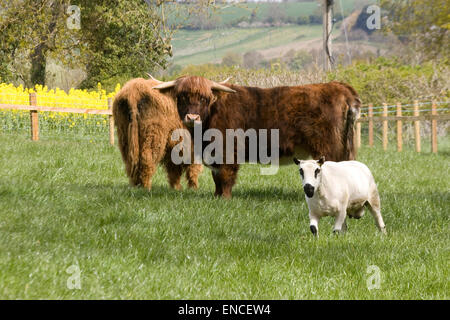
{"type": "Point", "coordinates": [38, 64]}
{"type": "Point", "coordinates": [39, 55]}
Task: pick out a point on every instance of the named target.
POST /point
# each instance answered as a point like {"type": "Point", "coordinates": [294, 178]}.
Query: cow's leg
{"type": "Point", "coordinates": [225, 178]}
{"type": "Point", "coordinates": [375, 210]}
{"type": "Point", "coordinates": [174, 173]}
{"type": "Point", "coordinates": [192, 173]}
{"type": "Point", "coordinates": [146, 170]}
{"type": "Point", "coordinates": [314, 224]}
{"type": "Point", "coordinates": [340, 221]}
{"type": "Point", "coordinates": [152, 148]}
{"type": "Point", "coordinates": [217, 182]}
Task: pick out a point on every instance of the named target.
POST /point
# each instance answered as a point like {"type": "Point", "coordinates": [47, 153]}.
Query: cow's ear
{"type": "Point", "coordinates": [321, 160]}
{"type": "Point", "coordinates": [296, 161]}
{"type": "Point", "coordinates": [213, 99]}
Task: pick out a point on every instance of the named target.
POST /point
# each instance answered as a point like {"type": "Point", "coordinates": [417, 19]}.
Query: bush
{"type": "Point", "coordinates": [382, 80]}
{"type": "Point", "coordinates": [303, 20]}
{"type": "Point", "coordinates": [315, 19]}
{"type": "Point", "coordinates": [252, 59]}
{"type": "Point", "coordinates": [388, 80]}
{"type": "Point", "coordinates": [232, 59]}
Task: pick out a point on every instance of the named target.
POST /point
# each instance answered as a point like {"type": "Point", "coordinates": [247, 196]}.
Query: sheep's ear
{"type": "Point", "coordinates": [296, 161]}
{"type": "Point", "coordinates": [321, 160]}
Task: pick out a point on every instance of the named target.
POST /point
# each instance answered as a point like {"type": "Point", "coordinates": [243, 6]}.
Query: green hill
{"type": "Point", "coordinates": [211, 44]}
{"type": "Point", "coordinates": [197, 47]}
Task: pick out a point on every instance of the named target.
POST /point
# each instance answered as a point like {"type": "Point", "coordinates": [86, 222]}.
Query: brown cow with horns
{"type": "Point", "coordinates": [145, 120]}
{"type": "Point", "coordinates": [315, 120]}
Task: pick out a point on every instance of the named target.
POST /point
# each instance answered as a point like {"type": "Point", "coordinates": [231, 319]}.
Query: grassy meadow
{"type": "Point", "coordinates": [201, 46]}
{"type": "Point", "coordinates": [65, 200]}
{"type": "Point", "coordinates": [193, 47]}
{"type": "Point", "coordinates": [229, 14]}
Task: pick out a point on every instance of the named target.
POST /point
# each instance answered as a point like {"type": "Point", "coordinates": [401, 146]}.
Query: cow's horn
{"type": "Point", "coordinates": [165, 85]}
{"type": "Point", "coordinates": [153, 78]}
{"type": "Point", "coordinates": [226, 80]}
{"type": "Point", "coordinates": [220, 87]}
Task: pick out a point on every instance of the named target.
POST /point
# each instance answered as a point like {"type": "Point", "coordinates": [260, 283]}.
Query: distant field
{"type": "Point", "coordinates": [197, 47]}
{"type": "Point", "coordinates": [231, 13]}
{"type": "Point", "coordinates": [210, 46]}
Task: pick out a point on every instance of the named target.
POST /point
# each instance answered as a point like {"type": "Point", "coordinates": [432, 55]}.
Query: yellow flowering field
{"type": "Point", "coordinates": [13, 120]}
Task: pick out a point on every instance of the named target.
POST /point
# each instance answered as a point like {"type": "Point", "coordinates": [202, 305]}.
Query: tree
{"type": "Point", "coordinates": [29, 30]}
{"type": "Point", "coordinates": [124, 39]}
{"type": "Point", "coordinates": [421, 24]}
{"type": "Point", "coordinates": [275, 14]}
{"type": "Point", "coordinates": [232, 59]}
{"type": "Point", "coordinates": [117, 38]}
{"type": "Point", "coordinates": [252, 59]}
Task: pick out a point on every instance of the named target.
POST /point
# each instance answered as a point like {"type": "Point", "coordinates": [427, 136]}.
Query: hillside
{"type": "Point", "coordinates": [209, 45]}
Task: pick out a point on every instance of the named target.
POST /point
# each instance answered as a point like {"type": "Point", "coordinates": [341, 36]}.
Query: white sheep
{"type": "Point", "coordinates": [339, 189]}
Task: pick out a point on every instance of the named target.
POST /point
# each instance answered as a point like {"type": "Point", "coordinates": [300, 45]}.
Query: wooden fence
{"type": "Point", "coordinates": [432, 116]}
{"type": "Point", "coordinates": [35, 109]}
{"type": "Point", "coordinates": [367, 116]}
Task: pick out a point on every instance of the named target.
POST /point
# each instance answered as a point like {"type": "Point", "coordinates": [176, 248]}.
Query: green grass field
{"type": "Point", "coordinates": [202, 46]}
{"type": "Point", "coordinates": [65, 201]}
{"type": "Point", "coordinates": [228, 14]}
{"type": "Point", "coordinates": [192, 47]}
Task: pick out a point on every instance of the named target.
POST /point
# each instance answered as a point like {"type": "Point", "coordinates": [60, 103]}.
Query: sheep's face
{"type": "Point", "coordinates": [311, 174]}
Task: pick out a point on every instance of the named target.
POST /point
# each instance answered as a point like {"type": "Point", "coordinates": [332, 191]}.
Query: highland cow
{"type": "Point", "coordinates": [312, 120]}
{"type": "Point", "coordinates": [145, 120]}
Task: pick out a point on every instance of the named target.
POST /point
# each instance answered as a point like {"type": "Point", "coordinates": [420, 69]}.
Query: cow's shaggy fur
{"type": "Point", "coordinates": [315, 120]}
{"type": "Point", "coordinates": [145, 120]}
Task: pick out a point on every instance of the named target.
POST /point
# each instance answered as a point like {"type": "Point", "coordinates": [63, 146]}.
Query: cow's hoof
{"type": "Point", "coordinates": [193, 186]}
{"type": "Point", "coordinates": [313, 230]}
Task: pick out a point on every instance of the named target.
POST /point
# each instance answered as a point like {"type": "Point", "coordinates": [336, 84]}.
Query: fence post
{"type": "Point", "coordinates": [34, 117]}
{"type": "Point", "coordinates": [434, 142]}
{"type": "Point", "coordinates": [399, 128]}
{"type": "Point", "coordinates": [417, 125]}
{"type": "Point", "coordinates": [370, 125]}
{"type": "Point", "coordinates": [111, 122]}
{"type": "Point", "coordinates": [385, 127]}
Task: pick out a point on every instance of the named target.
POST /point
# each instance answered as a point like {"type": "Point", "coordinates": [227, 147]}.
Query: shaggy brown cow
{"type": "Point", "coordinates": [145, 120]}
{"type": "Point", "coordinates": [317, 119]}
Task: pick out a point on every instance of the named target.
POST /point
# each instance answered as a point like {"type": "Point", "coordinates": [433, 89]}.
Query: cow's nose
{"type": "Point", "coordinates": [309, 190]}
{"type": "Point", "coordinates": [191, 118]}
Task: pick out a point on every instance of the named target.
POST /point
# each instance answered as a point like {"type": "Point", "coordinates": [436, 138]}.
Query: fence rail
{"type": "Point", "coordinates": [367, 117]}
{"type": "Point", "coordinates": [433, 116]}
{"type": "Point", "coordinates": [34, 109]}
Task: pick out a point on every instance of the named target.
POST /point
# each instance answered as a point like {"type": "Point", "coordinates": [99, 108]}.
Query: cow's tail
{"type": "Point", "coordinates": [133, 141]}
{"type": "Point", "coordinates": [354, 105]}
{"type": "Point", "coordinates": [125, 113]}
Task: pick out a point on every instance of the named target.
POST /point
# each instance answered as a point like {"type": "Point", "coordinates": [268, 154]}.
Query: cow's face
{"type": "Point", "coordinates": [194, 96]}
{"type": "Point", "coordinates": [311, 174]}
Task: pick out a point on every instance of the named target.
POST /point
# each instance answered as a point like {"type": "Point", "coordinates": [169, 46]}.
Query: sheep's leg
{"type": "Point", "coordinates": [375, 210]}
{"type": "Point", "coordinates": [314, 224]}
{"type": "Point", "coordinates": [340, 222]}
{"type": "Point", "coordinates": [344, 226]}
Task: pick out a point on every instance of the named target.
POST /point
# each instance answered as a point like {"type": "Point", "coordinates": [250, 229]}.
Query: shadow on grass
{"type": "Point", "coordinates": [272, 193]}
